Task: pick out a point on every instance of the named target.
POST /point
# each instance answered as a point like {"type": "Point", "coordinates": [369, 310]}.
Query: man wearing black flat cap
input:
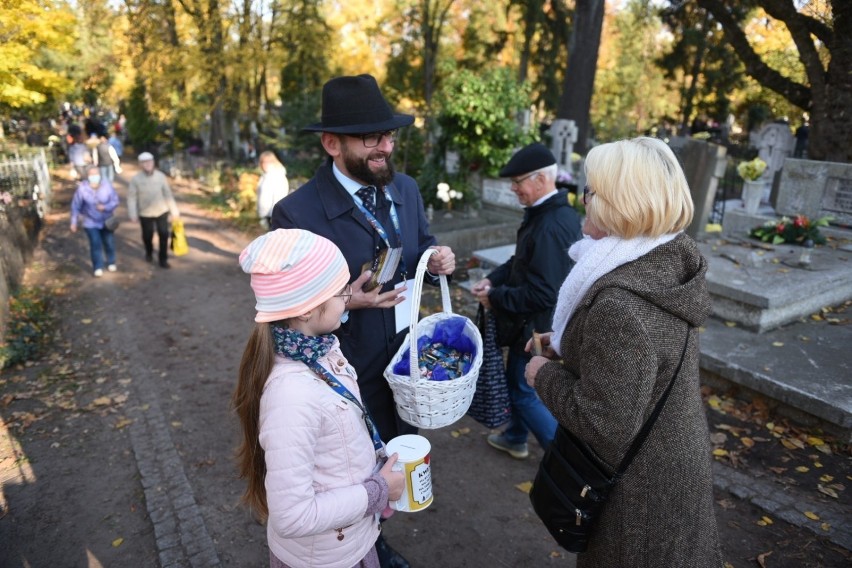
{"type": "Point", "coordinates": [522, 292]}
{"type": "Point", "coordinates": [360, 203]}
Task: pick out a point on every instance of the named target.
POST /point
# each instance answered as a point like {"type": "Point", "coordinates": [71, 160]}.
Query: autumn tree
{"type": "Point", "coordinates": [824, 42]}
{"type": "Point", "coordinates": [579, 83]}
{"type": "Point", "coordinates": [631, 95]}
{"type": "Point", "coordinates": [37, 52]}
{"type": "Point", "coordinates": [700, 62]}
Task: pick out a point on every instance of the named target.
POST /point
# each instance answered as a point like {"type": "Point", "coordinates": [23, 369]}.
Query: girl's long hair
{"type": "Point", "coordinates": [255, 366]}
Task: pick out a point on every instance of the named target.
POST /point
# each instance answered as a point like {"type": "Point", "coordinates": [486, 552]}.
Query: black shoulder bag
{"type": "Point", "coordinates": [572, 484]}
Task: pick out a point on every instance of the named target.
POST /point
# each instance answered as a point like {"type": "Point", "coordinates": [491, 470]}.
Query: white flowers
{"type": "Point", "coordinates": [445, 194]}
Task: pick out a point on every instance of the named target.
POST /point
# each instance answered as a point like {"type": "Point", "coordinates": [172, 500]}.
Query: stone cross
{"type": "Point", "coordinates": [563, 136]}
{"type": "Point", "coordinates": [774, 143]}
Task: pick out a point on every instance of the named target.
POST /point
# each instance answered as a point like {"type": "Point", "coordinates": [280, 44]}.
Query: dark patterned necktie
{"type": "Point", "coordinates": [368, 197]}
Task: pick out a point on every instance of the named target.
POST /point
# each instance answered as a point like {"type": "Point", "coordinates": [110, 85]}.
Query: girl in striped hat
{"type": "Point", "coordinates": [316, 468]}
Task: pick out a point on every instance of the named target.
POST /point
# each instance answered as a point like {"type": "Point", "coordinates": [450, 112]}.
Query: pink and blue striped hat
{"type": "Point", "coordinates": [292, 272]}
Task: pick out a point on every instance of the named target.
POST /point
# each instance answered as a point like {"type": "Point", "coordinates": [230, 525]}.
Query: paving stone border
{"type": "Point", "coordinates": [779, 501]}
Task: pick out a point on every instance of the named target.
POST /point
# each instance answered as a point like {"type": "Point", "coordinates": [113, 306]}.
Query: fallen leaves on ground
{"type": "Point", "coordinates": [460, 432]}
{"type": "Point", "coordinates": [524, 487]}
{"type": "Point", "coordinates": [748, 434]}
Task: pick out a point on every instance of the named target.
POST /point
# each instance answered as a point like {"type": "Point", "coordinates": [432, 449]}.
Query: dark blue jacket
{"type": "Point", "coordinates": [368, 339]}
{"type": "Point", "coordinates": [525, 288]}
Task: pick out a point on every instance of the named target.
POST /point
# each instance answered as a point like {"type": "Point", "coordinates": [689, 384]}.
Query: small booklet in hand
{"type": "Point", "coordinates": [383, 267]}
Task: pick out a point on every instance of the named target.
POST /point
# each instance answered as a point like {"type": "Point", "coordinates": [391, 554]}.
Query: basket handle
{"type": "Point", "coordinates": [416, 295]}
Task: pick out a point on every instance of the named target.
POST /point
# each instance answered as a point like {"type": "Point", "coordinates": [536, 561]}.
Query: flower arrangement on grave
{"type": "Point", "coordinates": [751, 170]}
{"type": "Point", "coordinates": [798, 230]}
{"type": "Point", "coordinates": [446, 194]}
{"type": "Point", "coordinates": [563, 178]}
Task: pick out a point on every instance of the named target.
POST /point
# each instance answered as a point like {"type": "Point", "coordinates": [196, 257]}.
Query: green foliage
{"type": "Point", "coordinates": [479, 118]}
{"type": "Point", "coordinates": [700, 61]}
{"type": "Point", "coordinates": [141, 126]}
{"type": "Point", "coordinates": [796, 231]}
{"type": "Point", "coordinates": [28, 327]}
{"type": "Point", "coordinates": [620, 112]}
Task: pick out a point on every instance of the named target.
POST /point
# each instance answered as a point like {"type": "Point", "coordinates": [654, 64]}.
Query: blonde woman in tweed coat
{"type": "Point", "coordinates": [636, 293]}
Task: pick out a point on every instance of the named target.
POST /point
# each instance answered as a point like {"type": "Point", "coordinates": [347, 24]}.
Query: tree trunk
{"type": "Point", "coordinates": [433, 15]}
{"type": "Point", "coordinates": [697, 64]}
{"type": "Point", "coordinates": [828, 96]}
{"type": "Point", "coordinates": [579, 81]}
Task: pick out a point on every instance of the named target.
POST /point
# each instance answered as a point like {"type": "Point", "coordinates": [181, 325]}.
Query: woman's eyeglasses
{"type": "Point", "coordinates": [346, 294]}
{"type": "Point", "coordinates": [587, 193]}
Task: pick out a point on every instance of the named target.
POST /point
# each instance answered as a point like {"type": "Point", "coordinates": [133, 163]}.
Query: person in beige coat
{"type": "Point", "coordinates": [150, 200]}
{"type": "Point", "coordinates": [635, 295]}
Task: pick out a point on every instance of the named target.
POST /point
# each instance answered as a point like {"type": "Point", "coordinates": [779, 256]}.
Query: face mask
{"type": "Point", "coordinates": [94, 180]}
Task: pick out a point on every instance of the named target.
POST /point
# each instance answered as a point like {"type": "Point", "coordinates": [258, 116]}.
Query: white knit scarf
{"type": "Point", "coordinates": [595, 258]}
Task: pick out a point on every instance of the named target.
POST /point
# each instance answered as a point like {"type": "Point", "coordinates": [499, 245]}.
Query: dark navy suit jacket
{"type": "Point", "coordinates": [368, 339]}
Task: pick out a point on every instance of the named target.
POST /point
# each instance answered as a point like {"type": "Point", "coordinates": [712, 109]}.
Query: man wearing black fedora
{"type": "Point", "coordinates": [522, 292]}
{"type": "Point", "coordinates": [358, 201]}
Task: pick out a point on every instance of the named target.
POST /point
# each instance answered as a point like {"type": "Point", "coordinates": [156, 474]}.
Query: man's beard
{"type": "Point", "coordinates": [359, 168]}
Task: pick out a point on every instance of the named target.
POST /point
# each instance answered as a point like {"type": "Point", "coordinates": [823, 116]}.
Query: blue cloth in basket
{"type": "Point", "coordinates": [449, 331]}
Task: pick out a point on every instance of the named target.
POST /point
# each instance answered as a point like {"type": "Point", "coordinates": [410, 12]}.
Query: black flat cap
{"type": "Point", "coordinates": [528, 159]}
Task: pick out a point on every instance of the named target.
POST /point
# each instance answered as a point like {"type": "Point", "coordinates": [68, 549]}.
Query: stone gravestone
{"type": "Point", "coordinates": [498, 191]}
{"type": "Point", "coordinates": [774, 143]}
{"type": "Point", "coordinates": [816, 189]}
{"type": "Point", "coordinates": [563, 136]}
{"type": "Point", "coordinates": [704, 165]}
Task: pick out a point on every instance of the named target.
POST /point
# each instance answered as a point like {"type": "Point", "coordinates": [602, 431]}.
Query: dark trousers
{"type": "Point", "coordinates": [162, 225]}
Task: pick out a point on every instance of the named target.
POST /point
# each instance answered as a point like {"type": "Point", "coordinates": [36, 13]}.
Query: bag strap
{"type": "Point", "coordinates": [649, 423]}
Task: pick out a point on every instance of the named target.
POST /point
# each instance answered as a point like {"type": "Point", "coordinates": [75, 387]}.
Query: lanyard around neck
{"type": "Point", "coordinates": [381, 230]}
{"type": "Point", "coordinates": [340, 389]}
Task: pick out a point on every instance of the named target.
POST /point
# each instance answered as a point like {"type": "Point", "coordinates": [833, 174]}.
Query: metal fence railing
{"type": "Point", "coordinates": [26, 178]}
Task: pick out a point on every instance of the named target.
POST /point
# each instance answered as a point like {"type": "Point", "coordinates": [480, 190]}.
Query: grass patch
{"type": "Point", "coordinates": [27, 332]}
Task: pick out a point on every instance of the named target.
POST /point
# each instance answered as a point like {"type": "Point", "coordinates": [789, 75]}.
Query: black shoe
{"type": "Point", "coordinates": [165, 264]}
{"type": "Point", "coordinates": [149, 257]}
{"type": "Point", "coordinates": [388, 557]}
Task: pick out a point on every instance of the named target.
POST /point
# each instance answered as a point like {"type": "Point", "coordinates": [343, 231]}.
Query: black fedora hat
{"type": "Point", "coordinates": [355, 105]}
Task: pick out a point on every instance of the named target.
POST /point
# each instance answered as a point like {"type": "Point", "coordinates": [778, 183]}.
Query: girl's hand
{"type": "Point", "coordinates": [394, 479]}
{"type": "Point", "coordinates": [100, 207]}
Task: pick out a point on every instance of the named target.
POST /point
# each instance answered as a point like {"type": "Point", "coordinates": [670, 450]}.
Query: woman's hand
{"type": "Point", "coordinates": [546, 349]}
{"type": "Point", "coordinates": [532, 368]}
{"type": "Point", "coordinates": [394, 479]}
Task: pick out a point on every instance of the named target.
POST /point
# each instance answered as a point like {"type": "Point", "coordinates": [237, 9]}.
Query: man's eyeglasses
{"type": "Point", "coordinates": [346, 294]}
{"type": "Point", "coordinates": [375, 138]}
{"type": "Point", "coordinates": [518, 181]}
{"type": "Point", "coordinates": [587, 193]}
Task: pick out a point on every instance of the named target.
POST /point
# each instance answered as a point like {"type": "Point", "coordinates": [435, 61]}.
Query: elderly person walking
{"type": "Point", "coordinates": [150, 200]}
{"type": "Point", "coordinates": [522, 291]}
{"type": "Point", "coordinates": [95, 201]}
{"type": "Point", "coordinates": [636, 293]}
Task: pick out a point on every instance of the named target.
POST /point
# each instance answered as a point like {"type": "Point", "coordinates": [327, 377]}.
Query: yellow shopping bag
{"type": "Point", "coordinates": [179, 245]}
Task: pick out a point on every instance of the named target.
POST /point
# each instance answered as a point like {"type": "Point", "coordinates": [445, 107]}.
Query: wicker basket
{"type": "Point", "coordinates": [421, 402]}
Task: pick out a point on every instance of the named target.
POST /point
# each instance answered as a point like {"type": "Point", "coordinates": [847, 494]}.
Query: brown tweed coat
{"type": "Point", "coordinates": [620, 349]}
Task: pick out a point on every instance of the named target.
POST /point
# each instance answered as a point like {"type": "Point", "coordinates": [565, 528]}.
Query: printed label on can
{"type": "Point", "coordinates": [414, 461]}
